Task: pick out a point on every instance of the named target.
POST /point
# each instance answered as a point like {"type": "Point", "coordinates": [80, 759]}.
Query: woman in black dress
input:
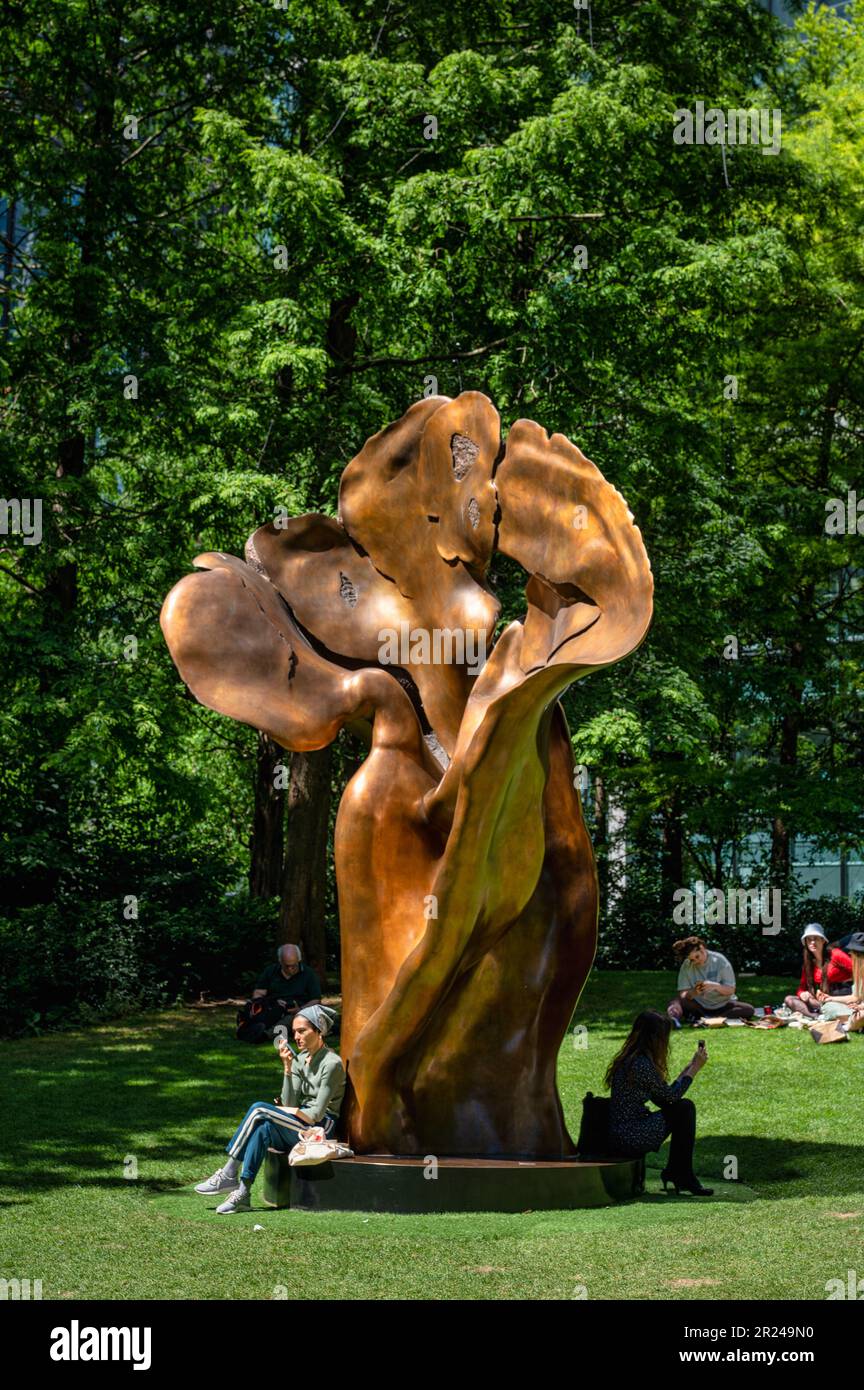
{"type": "Point", "coordinates": [637, 1075]}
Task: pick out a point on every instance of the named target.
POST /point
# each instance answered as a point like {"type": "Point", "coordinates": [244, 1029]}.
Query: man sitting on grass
{"type": "Point", "coordinates": [706, 985]}
{"type": "Point", "coordinates": [288, 980]}
{"type": "Point", "coordinates": [280, 990]}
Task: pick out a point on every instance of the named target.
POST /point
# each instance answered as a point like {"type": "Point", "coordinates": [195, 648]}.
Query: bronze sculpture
{"type": "Point", "coordinates": [466, 879]}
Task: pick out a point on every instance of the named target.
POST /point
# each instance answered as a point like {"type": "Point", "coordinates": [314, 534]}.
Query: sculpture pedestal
{"type": "Point", "coordinates": [379, 1183]}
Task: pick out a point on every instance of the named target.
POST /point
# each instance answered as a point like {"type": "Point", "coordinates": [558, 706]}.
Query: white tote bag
{"type": "Point", "coordinates": [313, 1146]}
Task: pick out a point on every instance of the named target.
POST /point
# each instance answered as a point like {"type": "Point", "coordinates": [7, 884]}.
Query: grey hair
{"type": "Point", "coordinates": [293, 947]}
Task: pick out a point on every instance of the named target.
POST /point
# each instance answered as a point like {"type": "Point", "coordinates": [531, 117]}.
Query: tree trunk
{"type": "Point", "coordinates": [268, 827]}
{"type": "Point", "coordinates": [600, 842]}
{"type": "Point", "coordinates": [781, 834]}
{"type": "Point", "coordinates": [302, 915]}
{"type": "Point", "coordinates": [719, 845]}
{"type": "Point", "coordinates": [8, 267]}
{"type": "Point", "coordinates": [341, 337]}
{"type": "Point", "coordinates": [779, 853]}
{"type": "Point", "coordinates": [672, 855]}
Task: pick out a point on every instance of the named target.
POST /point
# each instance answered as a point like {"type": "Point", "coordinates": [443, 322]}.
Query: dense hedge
{"type": "Point", "coordinates": [60, 966]}
{"type": "Point", "coordinates": [637, 932]}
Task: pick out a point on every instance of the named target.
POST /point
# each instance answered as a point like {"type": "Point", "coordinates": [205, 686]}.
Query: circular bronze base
{"type": "Point", "coordinates": [416, 1185]}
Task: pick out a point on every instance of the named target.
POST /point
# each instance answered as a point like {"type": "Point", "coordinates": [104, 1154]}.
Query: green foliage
{"type": "Point", "coordinates": [284, 257]}
{"type": "Point", "coordinates": [638, 930]}
{"type": "Point", "coordinates": [63, 965]}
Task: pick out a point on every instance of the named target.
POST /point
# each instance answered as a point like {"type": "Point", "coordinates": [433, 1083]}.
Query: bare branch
{"type": "Point", "coordinates": [557, 217]}
{"type": "Point", "coordinates": [155, 136]}
{"type": "Point", "coordinates": [39, 593]}
{"type": "Point", "coordinates": [419, 361]}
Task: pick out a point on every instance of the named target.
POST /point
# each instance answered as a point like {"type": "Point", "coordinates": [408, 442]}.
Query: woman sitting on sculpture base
{"type": "Point", "coordinates": [312, 1091]}
{"type": "Point", "coordinates": [638, 1074]}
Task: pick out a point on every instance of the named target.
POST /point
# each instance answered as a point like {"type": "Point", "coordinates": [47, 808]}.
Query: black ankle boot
{"type": "Point", "coordinates": [689, 1183]}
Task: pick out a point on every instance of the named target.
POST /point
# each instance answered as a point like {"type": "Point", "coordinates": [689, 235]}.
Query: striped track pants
{"type": "Point", "coordinates": [263, 1127]}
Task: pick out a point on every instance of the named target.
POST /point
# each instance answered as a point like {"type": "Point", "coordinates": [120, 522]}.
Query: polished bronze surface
{"type": "Point", "coordinates": [375, 1183]}
{"type": "Point", "coordinates": [467, 888]}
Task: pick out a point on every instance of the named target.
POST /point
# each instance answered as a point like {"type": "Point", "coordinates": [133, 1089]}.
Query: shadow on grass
{"type": "Point", "coordinates": [164, 1089]}
{"type": "Point", "coordinates": [768, 1163]}
{"type": "Point", "coordinates": [183, 1204]}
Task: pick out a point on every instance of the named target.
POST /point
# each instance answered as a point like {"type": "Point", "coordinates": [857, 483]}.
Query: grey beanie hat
{"type": "Point", "coordinates": [319, 1016]}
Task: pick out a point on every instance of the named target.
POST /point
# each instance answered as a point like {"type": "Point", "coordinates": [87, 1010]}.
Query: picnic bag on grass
{"type": "Point", "coordinates": [835, 1031]}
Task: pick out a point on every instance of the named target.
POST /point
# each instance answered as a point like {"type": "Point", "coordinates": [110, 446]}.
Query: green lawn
{"type": "Point", "coordinates": [164, 1091]}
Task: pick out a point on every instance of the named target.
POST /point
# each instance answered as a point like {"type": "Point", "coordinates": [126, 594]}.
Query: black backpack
{"type": "Point", "coordinates": [593, 1142]}
{"type": "Point", "coordinates": [257, 1019]}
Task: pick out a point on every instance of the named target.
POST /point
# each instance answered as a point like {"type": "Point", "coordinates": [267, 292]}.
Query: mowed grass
{"type": "Point", "coordinates": [159, 1095]}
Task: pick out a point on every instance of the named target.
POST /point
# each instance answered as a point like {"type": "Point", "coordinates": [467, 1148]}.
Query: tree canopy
{"type": "Point", "coordinates": [233, 247]}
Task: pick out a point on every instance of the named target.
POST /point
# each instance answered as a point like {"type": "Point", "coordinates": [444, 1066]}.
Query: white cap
{"type": "Point", "coordinates": [813, 929]}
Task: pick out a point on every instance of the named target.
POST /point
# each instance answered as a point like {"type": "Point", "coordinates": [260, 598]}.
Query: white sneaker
{"type": "Point", "coordinates": [217, 1183]}
{"type": "Point", "coordinates": [238, 1201]}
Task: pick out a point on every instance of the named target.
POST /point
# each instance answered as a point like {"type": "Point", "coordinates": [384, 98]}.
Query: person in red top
{"type": "Point", "coordinates": [826, 973]}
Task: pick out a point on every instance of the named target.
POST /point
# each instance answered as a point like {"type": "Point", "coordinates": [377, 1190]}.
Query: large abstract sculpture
{"type": "Point", "coordinates": [466, 879]}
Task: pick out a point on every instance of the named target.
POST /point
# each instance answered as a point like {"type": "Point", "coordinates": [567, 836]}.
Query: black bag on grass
{"type": "Point", "coordinates": [593, 1139]}
{"type": "Point", "coordinates": [257, 1019]}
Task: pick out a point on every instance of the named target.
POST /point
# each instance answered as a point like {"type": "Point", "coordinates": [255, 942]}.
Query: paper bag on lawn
{"type": "Point", "coordinates": [832, 1032]}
